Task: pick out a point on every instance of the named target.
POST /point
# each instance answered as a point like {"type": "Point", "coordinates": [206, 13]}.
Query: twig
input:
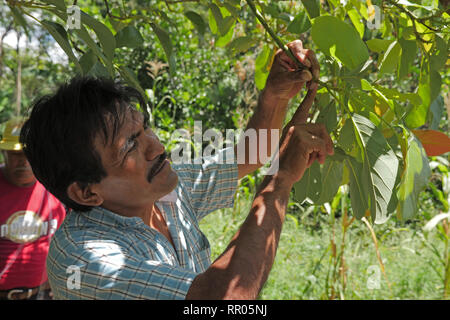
{"type": "Point", "coordinates": [122, 18]}
{"type": "Point", "coordinates": [280, 44]}
{"type": "Point", "coordinates": [411, 15]}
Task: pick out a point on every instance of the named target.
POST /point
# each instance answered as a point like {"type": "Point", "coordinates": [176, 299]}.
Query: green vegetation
{"type": "Point", "coordinates": [384, 98]}
{"type": "Point", "coordinates": [304, 265]}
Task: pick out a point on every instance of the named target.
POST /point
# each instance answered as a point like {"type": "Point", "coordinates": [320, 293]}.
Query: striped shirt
{"type": "Point", "coordinates": [101, 255]}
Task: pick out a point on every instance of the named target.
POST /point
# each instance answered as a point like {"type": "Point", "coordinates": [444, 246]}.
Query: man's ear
{"type": "Point", "coordinates": [86, 196]}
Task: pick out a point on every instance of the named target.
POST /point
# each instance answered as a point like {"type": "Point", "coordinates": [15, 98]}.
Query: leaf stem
{"type": "Point", "coordinates": [280, 43]}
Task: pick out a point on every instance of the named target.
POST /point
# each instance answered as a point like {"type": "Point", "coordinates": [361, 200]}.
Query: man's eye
{"type": "Point", "coordinates": [134, 146]}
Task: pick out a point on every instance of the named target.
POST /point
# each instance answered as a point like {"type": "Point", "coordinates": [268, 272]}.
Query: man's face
{"type": "Point", "coordinates": [137, 172]}
{"type": "Point", "coordinates": [17, 169]}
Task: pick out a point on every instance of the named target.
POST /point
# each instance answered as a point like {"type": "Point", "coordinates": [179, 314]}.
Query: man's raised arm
{"type": "Point", "coordinates": [243, 268]}
{"type": "Point", "coordinates": [283, 83]}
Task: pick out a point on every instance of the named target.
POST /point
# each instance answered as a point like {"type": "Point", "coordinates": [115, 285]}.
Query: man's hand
{"type": "Point", "coordinates": [302, 143]}
{"type": "Point", "coordinates": [284, 82]}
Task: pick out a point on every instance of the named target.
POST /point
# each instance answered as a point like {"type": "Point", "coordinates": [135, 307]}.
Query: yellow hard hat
{"type": "Point", "coordinates": [11, 134]}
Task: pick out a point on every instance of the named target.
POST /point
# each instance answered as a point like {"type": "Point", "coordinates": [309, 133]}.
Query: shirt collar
{"type": "Point", "coordinates": [109, 218]}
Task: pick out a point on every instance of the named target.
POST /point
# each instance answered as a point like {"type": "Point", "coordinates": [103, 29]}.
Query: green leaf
{"type": "Point", "coordinates": [261, 78]}
{"type": "Point", "coordinates": [331, 179]}
{"type": "Point", "coordinates": [362, 8]}
{"type": "Point", "coordinates": [439, 54]}
{"type": "Point", "coordinates": [129, 37]}
{"type": "Point", "coordinates": [361, 101]}
{"type": "Point", "coordinates": [347, 139]}
{"type": "Point", "coordinates": [196, 20]}
{"type": "Point", "coordinates": [408, 54]}
{"type": "Point", "coordinates": [234, 2]}
{"type": "Point", "coordinates": [59, 34]}
{"type": "Point", "coordinates": [356, 20]}
{"type": "Point", "coordinates": [242, 44]}
{"type": "Point", "coordinates": [87, 61]}
{"type": "Point", "coordinates": [212, 22]}
{"type": "Point", "coordinates": [103, 33]}
{"type": "Point", "coordinates": [340, 40]}
{"type": "Point", "coordinates": [223, 24]}
{"type": "Point", "coordinates": [379, 45]}
{"type": "Point", "coordinates": [312, 8]}
{"type": "Point", "coordinates": [84, 35]}
{"type": "Point", "coordinates": [164, 39]}
{"type": "Point", "coordinates": [365, 85]}
{"type": "Point", "coordinates": [99, 70]}
{"type": "Point", "coordinates": [328, 116]}
{"type": "Point", "coordinates": [393, 94]}
{"type": "Point", "coordinates": [358, 193]}
{"type": "Point", "coordinates": [411, 4]}
{"type": "Point", "coordinates": [226, 24]}
{"type": "Point", "coordinates": [300, 24]}
{"type": "Point", "coordinates": [285, 17]}
{"type": "Point", "coordinates": [390, 59]}
{"type": "Point", "coordinates": [223, 41]}
{"type": "Point", "coordinates": [429, 87]}
{"type": "Point", "coordinates": [435, 113]}
{"type": "Point", "coordinates": [415, 176]}
{"type": "Point", "coordinates": [263, 58]}
{"type": "Point", "coordinates": [232, 10]}
{"type": "Point", "coordinates": [59, 4]}
{"type": "Point", "coordinates": [309, 185]}
{"type": "Point", "coordinates": [379, 167]}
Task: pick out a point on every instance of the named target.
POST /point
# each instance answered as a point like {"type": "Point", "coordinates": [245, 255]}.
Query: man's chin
{"type": "Point", "coordinates": [170, 182]}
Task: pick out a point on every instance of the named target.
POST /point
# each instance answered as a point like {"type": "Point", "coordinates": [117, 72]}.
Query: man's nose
{"type": "Point", "coordinates": [154, 148]}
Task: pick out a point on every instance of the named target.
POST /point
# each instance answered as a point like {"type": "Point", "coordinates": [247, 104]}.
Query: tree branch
{"type": "Point", "coordinates": [411, 15]}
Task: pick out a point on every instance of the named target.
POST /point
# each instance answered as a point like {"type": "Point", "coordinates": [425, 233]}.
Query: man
{"type": "Point", "coordinates": [134, 230]}
{"type": "Point", "coordinates": [29, 216]}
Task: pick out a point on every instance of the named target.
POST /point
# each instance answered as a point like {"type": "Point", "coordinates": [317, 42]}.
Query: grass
{"type": "Point", "coordinates": [304, 265]}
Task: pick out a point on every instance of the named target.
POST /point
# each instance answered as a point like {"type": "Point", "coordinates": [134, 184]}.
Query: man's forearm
{"type": "Point", "coordinates": [243, 268]}
{"type": "Point", "coordinates": [269, 114]}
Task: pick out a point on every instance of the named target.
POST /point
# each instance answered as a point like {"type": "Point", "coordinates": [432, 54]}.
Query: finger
{"type": "Point", "coordinates": [312, 158]}
{"type": "Point", "coordinates": [285, 58]}
{"type": "Point", "coordinates": [317, 149]}
{"type": "Point", "coordinates": [296, 48]}
{"type": "Point", "coordinates": [301, 56]}
{"type": "Point", "coordinates": [314, 62]}
{"type": "Point", "coordinates": [321, 157]}
{"type": "Point", "coordinates": [286, 65]}
{"type": "Point", "coordinates": [321, 131]}
{"type": "Point", "coordinates": [297, 76]}
{"type": "Point", "coordinates": [301, 115]}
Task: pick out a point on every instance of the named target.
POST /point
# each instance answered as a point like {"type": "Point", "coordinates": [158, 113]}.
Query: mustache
{"type": "Point", "coordinates": [156, 166]}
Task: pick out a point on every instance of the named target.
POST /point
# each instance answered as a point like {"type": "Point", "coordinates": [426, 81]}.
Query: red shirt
{"type": "Point", "coordinates": [29, 216]}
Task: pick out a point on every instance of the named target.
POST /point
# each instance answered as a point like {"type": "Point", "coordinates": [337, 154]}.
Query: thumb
{"type": "Point", "coordinates": [301, 115]}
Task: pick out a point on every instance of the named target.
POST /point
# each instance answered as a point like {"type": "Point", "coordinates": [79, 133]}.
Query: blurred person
{"type": "Point", "coordinates": [134, 230]}
{"type": "Point", "coordinates": [29, 216]}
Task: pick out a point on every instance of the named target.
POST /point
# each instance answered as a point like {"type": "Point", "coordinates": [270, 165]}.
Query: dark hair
{"type": "Point", "coordinates": [59, 135]}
